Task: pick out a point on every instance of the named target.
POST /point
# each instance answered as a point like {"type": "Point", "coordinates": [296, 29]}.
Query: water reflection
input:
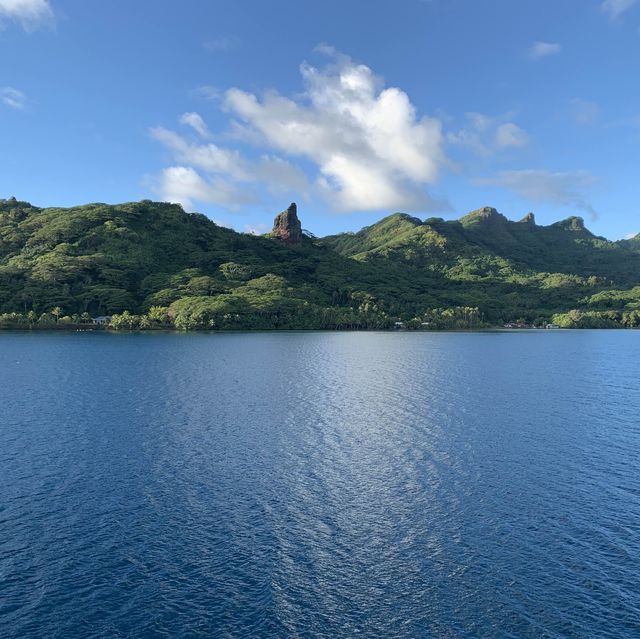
{"type": "Point", "coordinates": [320, 484]}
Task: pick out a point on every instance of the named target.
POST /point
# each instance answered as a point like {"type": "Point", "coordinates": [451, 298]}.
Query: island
{"type": "Point", "coordinates": [151, 265]}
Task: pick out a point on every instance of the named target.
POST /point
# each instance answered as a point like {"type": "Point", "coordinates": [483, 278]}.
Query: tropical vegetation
{"type": "Point", "coordinates": [151, 265]}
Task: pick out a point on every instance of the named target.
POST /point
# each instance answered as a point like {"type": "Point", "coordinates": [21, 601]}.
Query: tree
{"type": "Point", "coordinates": [158, 314]}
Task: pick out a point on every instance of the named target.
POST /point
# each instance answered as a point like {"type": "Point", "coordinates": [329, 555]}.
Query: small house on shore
{"type": "Point", "coordinates": [101, 320]}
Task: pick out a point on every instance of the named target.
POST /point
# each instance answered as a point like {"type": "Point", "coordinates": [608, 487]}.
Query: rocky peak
{"type": "Point", "coordinates": [486, 212]}
{"type": "Point", "coordinates": [573, 223]}
{"type": "Point", "coordinates": [529, 220]}
{"type": "Point", "coordinates": [487, 215]}
{"type": "Point", "coordinates": [577, 223]}
{"type": "Point", "coordinates": [287, 227]}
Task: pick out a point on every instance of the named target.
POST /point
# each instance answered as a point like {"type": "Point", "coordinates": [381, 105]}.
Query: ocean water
{"type": "Point", "coordinates": [320, 485]}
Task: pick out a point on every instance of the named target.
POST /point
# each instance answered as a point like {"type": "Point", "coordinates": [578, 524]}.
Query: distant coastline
{"type": "Point", "coordinates": [150, 265]}
{"type": "Point", "coordinates": [89, 328]}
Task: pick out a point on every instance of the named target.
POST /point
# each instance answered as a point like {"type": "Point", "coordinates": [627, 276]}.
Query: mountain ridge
{"type": "Point", "coordinates": [137, 256]}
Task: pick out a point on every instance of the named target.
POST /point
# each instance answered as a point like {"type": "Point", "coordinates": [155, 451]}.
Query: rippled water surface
{"type": "Point", "coordinates": [320, 485]}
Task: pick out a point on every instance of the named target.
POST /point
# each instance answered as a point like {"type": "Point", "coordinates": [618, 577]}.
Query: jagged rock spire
{"type": "Point", "coordinates": [287, 227]}
{"type": "Point", "coordinates": [529, 219]}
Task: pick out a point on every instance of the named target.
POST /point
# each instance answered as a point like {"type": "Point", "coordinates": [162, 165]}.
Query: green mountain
{"type": "Point", "coordinates": [486, 236]}
{"type": "Point", "coordinates": [151, 264]}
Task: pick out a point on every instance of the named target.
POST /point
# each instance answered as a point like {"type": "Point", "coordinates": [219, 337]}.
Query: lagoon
{"type": "Point", "coordinates": [320, 484]}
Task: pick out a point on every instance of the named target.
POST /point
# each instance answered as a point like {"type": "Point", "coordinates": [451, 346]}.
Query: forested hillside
{"type": "Point", "coordinates": [150, 264]}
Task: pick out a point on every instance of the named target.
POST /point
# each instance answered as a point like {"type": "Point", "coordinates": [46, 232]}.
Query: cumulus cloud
{"type": "Point", "coordinates": [230, 177]}
{"type": "Point", "coordinates": [195, 121]}
{"type": "Point", "coordinates": [485, 135]}
{"type": "Point", "coordinates": [543, 49]}
{"type": "Point", "coordinates": [615, 8]}
{"type": "Point", "coordinates": [183, 185]}
{"type": "Point", "coordinates": [279, 175]}
{"type": "Point", "coordinates": [13, 98]}
{"type": "Point", "coordinates": [370, 149]}
{"type": "Point", "coordinates": [230, 163]}
{"type": "Point", "coordinates": [209, 157]}
{"type": "Point", "coordinates": [31, 14]}
{"type": "Point", "coordinates": [539, 185]}
{"type": "Point", "coordinates": [363, 145]}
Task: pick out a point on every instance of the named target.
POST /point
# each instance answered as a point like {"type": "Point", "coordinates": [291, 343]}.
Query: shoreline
{"type": "Point", "coordinates": [110, 331]}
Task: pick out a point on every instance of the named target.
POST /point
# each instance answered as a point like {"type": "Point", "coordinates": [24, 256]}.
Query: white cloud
{"type": "Point", "coordinates": [208, 157]}
{"type": "Point", "coordinates": [31, 14]}
{"type": "Point", "coordinates": [13, 98]}
{"type": "Point", "coordinates": [584, 112]}
{"type": "Point", "coordinates": [195, 121]}
{"type": "Point", "coordinates": [615, 8]}
{"type": "Point", "coordinates": [183, 185]}
{"type": "Point", "coordinates": [370, 149]}
{"type": "Point", "coordinates": [278, 174]}
{"type": "Point", "coordinates": [485, 135]}
{"type": "Point", "coordinates": [510, 134]}
{"type": "Point", "coordinates": [539, 185]}
{"type": "Point", "coordinates": [230, 178]}
{"type": "Point", "coordinates": [630, 236]}
{"type": "Point", "coordinates": [364, 144]}
{"type": "Point", "coordinates": [544, 49]}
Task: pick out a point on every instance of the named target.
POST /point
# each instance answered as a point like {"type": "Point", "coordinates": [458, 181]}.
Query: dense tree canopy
{"type": "Point", "coordinates": [151, 265]}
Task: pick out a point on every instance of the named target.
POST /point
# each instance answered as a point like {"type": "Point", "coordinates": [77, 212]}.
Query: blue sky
{"type": "Point", "coordinates": [352, 108]}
